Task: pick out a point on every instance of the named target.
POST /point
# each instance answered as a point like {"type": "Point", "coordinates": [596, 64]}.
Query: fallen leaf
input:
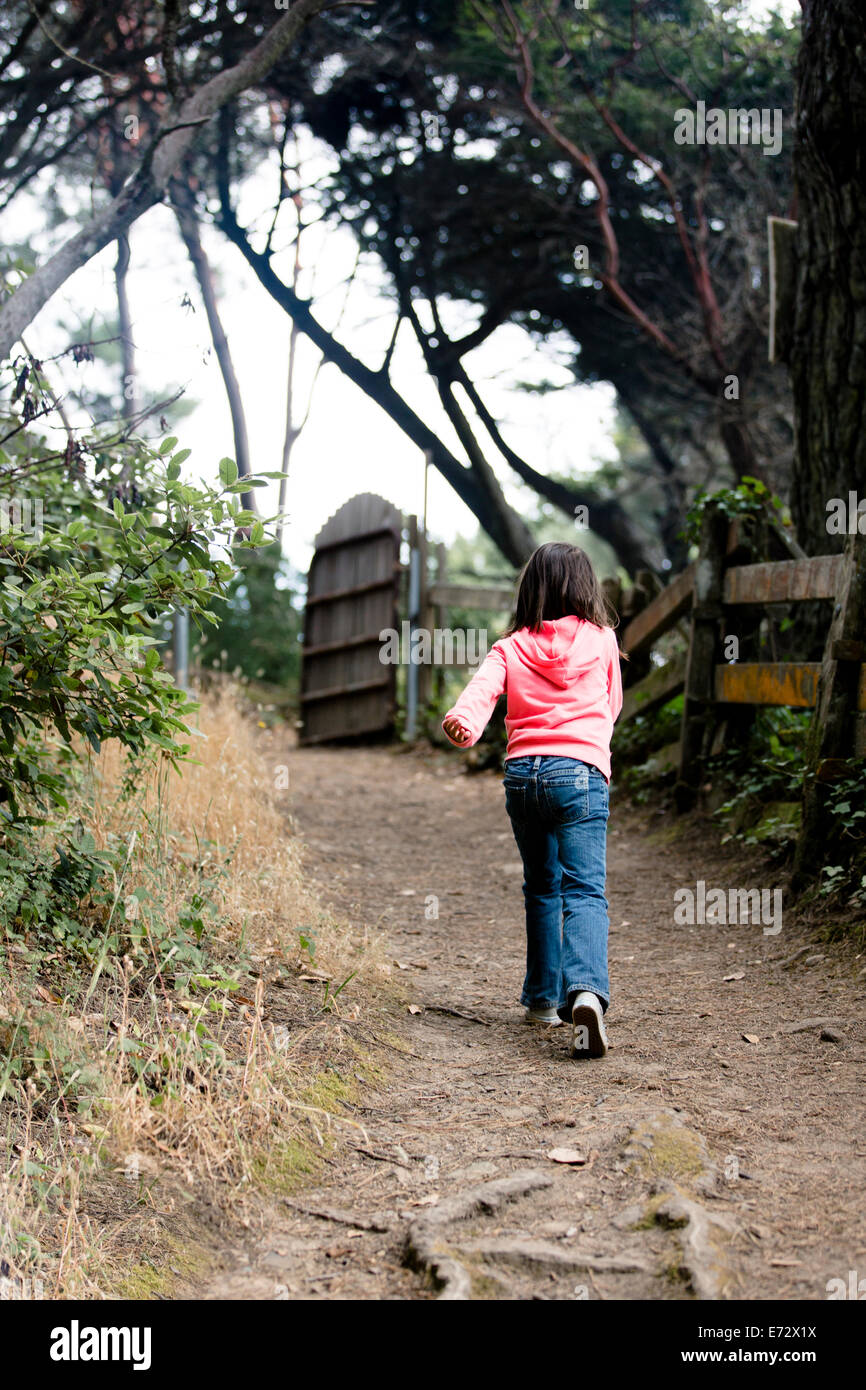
{"type": "Point", "coordinates": [47, 995]}
{"type": "Point", "coordinates": [785, 1263]}
{"type": "Point", "coordinates": [737, 975]}
{"type": "Point", "coordinates": [751, 1037]}
{"type": "Point", "coordinates": [572, 1156]}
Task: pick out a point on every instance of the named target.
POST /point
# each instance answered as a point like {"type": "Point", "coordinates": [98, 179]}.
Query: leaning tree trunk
{"type": "Point", "coordinates": [828, 350]}
{"type": "Point", "coordinates": [187, 220]}
{"type": "Point", "coordinates": [127, 346]}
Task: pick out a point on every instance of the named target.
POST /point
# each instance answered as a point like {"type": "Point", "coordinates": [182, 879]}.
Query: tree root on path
{"type": "Point", "coordinates": [425, 1247]}
{"type": "Point", "coordinates": [343, 1218]}
{"type": "Point", "coordinates": [456, 1013]}
{"type": "Point", "coordinates": [664, 1149]}
{"type": "Point", "coordinates": [540, 1254]}
{"type": "Point", "coordinates": [703, 1237]}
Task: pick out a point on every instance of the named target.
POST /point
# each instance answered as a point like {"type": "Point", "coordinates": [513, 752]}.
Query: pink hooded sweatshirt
{"type": "Point", "coordinates": [563, 687]}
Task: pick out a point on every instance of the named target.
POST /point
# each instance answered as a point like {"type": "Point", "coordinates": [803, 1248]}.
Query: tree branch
{"type": "Point", "coordinates": [148, 184]}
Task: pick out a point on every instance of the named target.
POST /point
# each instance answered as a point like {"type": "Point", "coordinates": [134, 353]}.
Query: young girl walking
{"type": "Point", "coordinates": [559, 666]}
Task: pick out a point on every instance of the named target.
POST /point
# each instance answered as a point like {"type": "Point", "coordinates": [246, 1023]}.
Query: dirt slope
{"type": "Point", "coordinates": [714, 1166]}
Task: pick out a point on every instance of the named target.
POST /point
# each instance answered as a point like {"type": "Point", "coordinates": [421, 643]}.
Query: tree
{"type": "Point", "coordinates": [828, 344]}
{"type": "Point", "coordinates": [183, 202]}
{"type": "Point", "coordinates": [493, 233]}
{"type": "Point", "coordinates": [474, 483]}
{"type": "Point", "coordinates": [157, 165]}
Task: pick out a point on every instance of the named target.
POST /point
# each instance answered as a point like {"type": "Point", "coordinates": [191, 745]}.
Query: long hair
{"type": "Point", "coordinates": [558, 580]}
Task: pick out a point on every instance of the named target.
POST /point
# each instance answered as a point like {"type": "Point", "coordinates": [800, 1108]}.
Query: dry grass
{"type": "Point", "coordinates": [149, 1073]}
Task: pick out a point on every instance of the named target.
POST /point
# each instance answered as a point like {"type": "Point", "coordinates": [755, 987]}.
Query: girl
{"type": "Point", "coordinates": [559, 666]}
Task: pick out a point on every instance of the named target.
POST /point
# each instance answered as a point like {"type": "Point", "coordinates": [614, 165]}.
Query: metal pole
{"type": "Point", "coordinates": [414, 614]}
{"type": "Point", "coordinates": [181, 649]}
{"type": "Point", "coordinates": [428, 459]}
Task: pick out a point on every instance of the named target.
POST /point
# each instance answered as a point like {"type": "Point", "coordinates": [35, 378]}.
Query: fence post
{"type": "Point", "coordinates": [696, 735]}
{"type": "Point", "coordinates": [747, 544]}
{"type": "Point", "coordinates": [645, 588]}
{"type": "Point", "coordinates": [832, 732]}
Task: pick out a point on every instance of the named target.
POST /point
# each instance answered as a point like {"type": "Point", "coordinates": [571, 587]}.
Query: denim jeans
{"type": "Point", "coordinates": [558, 809]}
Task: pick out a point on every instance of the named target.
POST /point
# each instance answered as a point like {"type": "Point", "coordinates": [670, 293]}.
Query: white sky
{"type": "Point", "coordinates": [349, 445]}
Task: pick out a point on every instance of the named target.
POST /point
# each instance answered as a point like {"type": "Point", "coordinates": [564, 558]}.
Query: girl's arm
{"type": "Point", "coordinates": [614, 678]}
{"type": "Point", "coordinates": [476, 704]}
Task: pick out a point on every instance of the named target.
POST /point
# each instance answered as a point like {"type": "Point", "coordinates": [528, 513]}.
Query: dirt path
{"type": "Point", "coordinates": [713, 1164]}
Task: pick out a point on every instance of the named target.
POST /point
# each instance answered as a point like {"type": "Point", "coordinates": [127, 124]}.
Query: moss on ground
{"type": "Point", "coordinates": [180, 1262]}
{"type": "Point", "coordinates": [669, 1151]}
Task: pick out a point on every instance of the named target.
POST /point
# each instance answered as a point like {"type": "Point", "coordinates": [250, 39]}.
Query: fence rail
{"type": "Point", "coordinates": [717, 595]}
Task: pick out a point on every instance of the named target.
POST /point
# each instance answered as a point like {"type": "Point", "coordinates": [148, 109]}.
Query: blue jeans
{"type": "Point", "coordinates": [558, 809]}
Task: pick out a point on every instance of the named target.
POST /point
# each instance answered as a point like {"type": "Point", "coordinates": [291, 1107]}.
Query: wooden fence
{"type": "Point", "coordinates": [719, 597]}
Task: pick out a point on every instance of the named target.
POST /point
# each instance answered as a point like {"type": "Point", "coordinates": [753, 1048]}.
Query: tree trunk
{"type": "Point", "coordinates": [187, 221]}
{"type": "Point", "coordinates": [828, 350]}
{"type": "Point", "coordinates": [293, 430]}
{"type": "Point", "coordinates": [127, 347]}
{"type": "Point", "coordinates": [608, 518]}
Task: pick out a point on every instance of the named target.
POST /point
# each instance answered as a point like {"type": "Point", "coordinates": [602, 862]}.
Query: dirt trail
{"type": "Point", "coordinates": [714, 1165]}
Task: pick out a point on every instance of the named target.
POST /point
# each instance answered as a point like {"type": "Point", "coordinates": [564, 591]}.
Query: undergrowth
{"type": "Point", "coordinates": [173, 1010]}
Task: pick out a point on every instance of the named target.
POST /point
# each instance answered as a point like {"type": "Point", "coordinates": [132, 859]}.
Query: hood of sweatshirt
{"type": "Point", "coordinates": [562, 650]}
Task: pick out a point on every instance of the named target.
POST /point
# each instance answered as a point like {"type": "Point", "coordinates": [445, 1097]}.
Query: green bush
{"type": "Point", "coordinates": [101, 541]}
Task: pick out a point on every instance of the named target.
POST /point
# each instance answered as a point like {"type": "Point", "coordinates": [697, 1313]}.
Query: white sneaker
{"type": "Point", "coordinates": [587, 1026]}
{"type": "Point", "coordinates": [549, 1016]}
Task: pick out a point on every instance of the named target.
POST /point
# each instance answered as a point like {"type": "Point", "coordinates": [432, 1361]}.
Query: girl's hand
{"type": "Point", "coordinates": [455, 730]}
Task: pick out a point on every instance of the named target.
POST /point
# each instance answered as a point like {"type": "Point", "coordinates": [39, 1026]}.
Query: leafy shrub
{"type": "Point", "coordinates": [101, 541]}
{"type": "Point", "coordinates": [750, 497]}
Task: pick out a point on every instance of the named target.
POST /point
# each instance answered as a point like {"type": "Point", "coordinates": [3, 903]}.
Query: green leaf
{"type": "Point", "coordinates": [228, 471]}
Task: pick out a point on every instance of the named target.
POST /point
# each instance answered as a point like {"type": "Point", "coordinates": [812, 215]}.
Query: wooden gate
{"type": "Point", "coordinates": [352, 594]}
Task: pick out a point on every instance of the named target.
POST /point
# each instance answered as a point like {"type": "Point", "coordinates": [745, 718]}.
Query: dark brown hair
{"type": "Point", "coordinates": [558, 580]}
